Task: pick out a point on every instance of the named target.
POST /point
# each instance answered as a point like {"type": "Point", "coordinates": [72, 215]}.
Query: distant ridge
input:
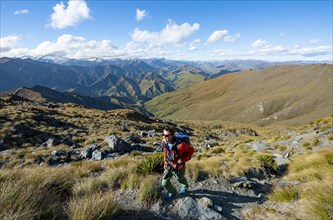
{"type": "Point", "coordinates": [44, 94]}
{"type": "Point", "coordinates": [290, 94]}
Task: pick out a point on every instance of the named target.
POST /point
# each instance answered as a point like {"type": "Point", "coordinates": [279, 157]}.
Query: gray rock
{"type": "Point", "coordinates": [148, 134]}
{"type": "Point", "coordinates": [280, 160]}
{"type": "Point", "coordinates": [210, 143]}
{"type": "Point", "coordinates": [51, 142]}
{"type": "Point", "coordinates": [205, 202]}
{"type": "Point", "coordinates": [258, 146]}
{"type": "Point", "coordinates": [188, 209]}
{"type": "Point", "coordinates": [217, 208]}
{"type": "Point", "coordinates": [87, 152]}
{"type": "Point", "coordinates": [97, 155]}
{"type": "Point", "coordinates": [288, 183]}
{"type": "Point", "coordinates": [58, 153]}
{"type": "Point", "coordinates": [200, 209]}
{"type": "Point", "coordinates": [117, 144]}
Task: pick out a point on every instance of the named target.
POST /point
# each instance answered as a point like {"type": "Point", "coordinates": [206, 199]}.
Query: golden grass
{"type": "Point", "coordinates": [314, 193]}
{"type": "Point", "coordinates": [313, 166]}
{"type": "Point", "coordinates": [317, 199]}
{"type": "Point", "coordinates": [285, 194]}
{"type": "Point", "coordinates": [95, 206]}
{"type": "Point", "coordinates": [148, 192]}
{"type": "Point", "coordinates": [89, 186]}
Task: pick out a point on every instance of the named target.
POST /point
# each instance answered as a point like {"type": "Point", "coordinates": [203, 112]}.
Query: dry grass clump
{"type": "Point", "coordinates": [34, 193]}
{"type": "Point", "coordinates": [148, 192]}
{"type": "Point", "coordinates": [95, 206]}
{"type": "Point", "coordinates": [317, 199]}
{"type": "Point", "coordinates": [132, 182]}
{"type": "Point", "coordinates": [21, 200]}
{"type": "Point", "coordinates": [314, 193]}
{"type": "Point", "coordinates": [87, 168]}
{"type": "Point", "coordinates": [89, 186]}
{"type": "Point", "coordinates": [285, 194]}
{"type": "Point", "coordinates": [313, 166]}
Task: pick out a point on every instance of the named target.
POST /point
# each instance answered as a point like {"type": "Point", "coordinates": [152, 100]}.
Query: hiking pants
{"type": "Point", "coordinates": [180, 177]}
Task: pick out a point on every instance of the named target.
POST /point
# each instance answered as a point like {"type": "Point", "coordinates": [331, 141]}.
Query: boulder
{"type": "Point", "coordinates": [89, 149]}
{"type": "Point", "coordinates": [201, 208]}
{"type": "Point", "coordinates": [117, 144]}
{"type": "Point", "coordinates": [97, 155]}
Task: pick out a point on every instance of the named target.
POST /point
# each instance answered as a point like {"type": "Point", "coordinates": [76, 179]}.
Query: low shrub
{"type": "Point", "coordinates": [267, 161]}
{"type": "Point", "coordinates": [150, 164]}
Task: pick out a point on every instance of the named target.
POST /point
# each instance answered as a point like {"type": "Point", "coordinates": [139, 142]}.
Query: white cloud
{"type": "Point", "coordinates": [172, 34]}
{"type": "Point", "coordinates": [21, 12]}
{"type": "Point", "coordinates": [314, 41]}
{"type": "Point", "coordinates": [217, 35]}
{"type": "Point", "coordinates": [76, 47]}
{"type": "Point", "coordinates": [194, 45]}
{"type": "Point", "coordinates": [230, 38]}
{"type": "Point", "coordinates": [222, 34]}
{"type": "Point", "coordinates": [223, 52]}
{"type": "Point", "coordinates": [140, 14]}
{"type": "Point", "coordinates": [62, 17]}
{"type": "Point", "coordinates": [312, 51]}
{"type": "Point", "coordinates": [8, 43]}
{"type": "Point", "coordinates": [261, 44]}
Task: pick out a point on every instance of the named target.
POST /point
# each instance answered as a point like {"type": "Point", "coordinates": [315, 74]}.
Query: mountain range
{"type": "Point", "coordinates": [250, 91]}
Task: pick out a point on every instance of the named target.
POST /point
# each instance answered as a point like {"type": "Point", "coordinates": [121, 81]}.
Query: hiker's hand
{"type": "Point", "coordinates": [179, 161]}
{"type": "Point", "coordinates": [173, 165]}
{"type": "Point", "coordinates": [165, 164]}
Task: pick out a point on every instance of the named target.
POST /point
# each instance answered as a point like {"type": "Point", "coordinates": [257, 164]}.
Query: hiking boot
{"type": "Point", "coordinates": [182, 191]}
{"type": "Point", "coordinates": [168, 196]}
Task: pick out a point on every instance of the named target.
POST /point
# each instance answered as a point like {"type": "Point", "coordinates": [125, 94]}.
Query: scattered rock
{"type": "Point", "coordinates": [87, 152]}
{"type": "Point", "coordinates": [97, 155]}
{"type": "Point", "coordinates": [51, 142]}
{"type": "Point", "coordinates": [258, 146]}
{"type": "Point", "coordinates": [189, 208]}
{"type": "Point", "coordinates": [117, 144]}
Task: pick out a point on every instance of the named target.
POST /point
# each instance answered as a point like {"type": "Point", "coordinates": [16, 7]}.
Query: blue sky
{"type": "Point", "coordinates": [186, 30]}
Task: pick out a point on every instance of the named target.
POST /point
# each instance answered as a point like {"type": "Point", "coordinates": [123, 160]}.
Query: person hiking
{"type": "Point", "coordinates": [176, 153]}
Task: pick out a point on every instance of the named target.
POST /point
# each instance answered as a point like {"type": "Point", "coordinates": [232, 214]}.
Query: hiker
{"type": "Point", "coordinates": [176, 153]}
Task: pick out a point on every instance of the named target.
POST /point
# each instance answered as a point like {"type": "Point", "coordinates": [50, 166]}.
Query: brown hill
{"type": "Point", "coordinates": [44, 94]}
{"type": "Point", "coordinates": [291, 94]}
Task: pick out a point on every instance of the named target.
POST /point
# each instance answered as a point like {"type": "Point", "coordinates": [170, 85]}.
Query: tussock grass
{"type": "Point", "coordinates": [148, 192]}
{"type": "Point", "coordinates": [87, 168]}
{"type": "Point", "coordinates": [131, 182]}
{"type": "Point", "coordinates": [89, 186]}
{"type": "Point", "coordinates": [95, 206]}
{"type": "Point", "coordinates": [19, 200]}
{"type": "Point", "coordinates": [34, 193]}
{"type": "Point", "coordinates": [114, 177]}
{"type": "Point", "coordinates": [285, 194]}
{"type": "Point", "coordinates": [151, 163]}
{"type": "Point", "coordinates": [317, 199]}
{"type": "Point", "coordinates": [314, 193]}
{"type": "Point", "coordinates": [315, 166]}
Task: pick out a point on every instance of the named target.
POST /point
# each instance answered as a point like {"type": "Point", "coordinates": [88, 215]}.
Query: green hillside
{"type": "Point", "coordinates": [290, 94]}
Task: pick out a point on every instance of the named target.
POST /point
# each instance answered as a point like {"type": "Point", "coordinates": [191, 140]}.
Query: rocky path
{"type": "Point", "coordinates": [208, 199]}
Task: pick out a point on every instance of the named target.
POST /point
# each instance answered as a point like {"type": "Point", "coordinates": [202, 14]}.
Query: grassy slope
{"type": "Point", "coordinates": [294, 94]}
